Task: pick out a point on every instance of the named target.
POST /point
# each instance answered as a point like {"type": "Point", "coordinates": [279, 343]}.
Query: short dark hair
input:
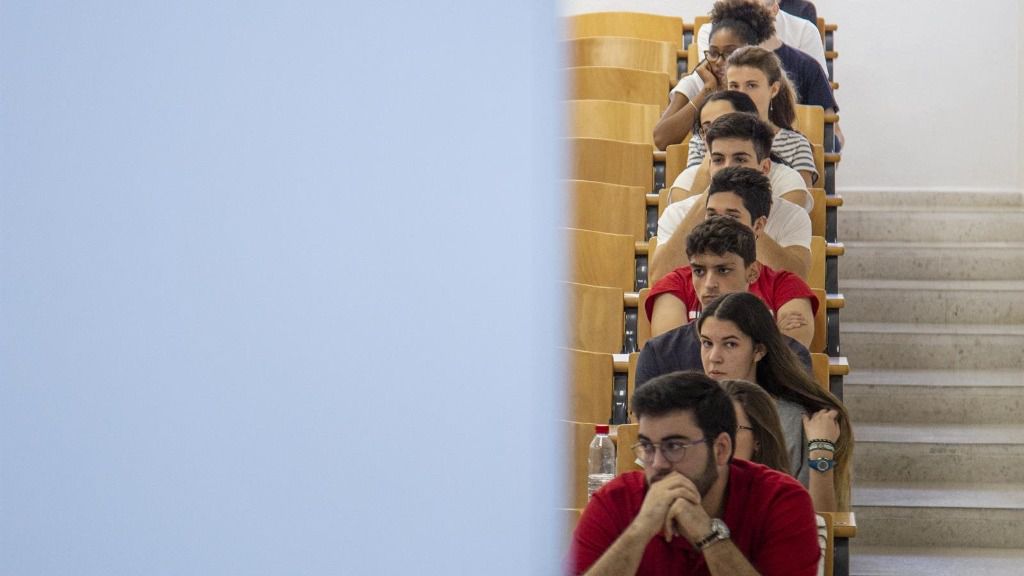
{"type": "Point", "coordinates": [712, 408]}
{"type": "Point", "coordinates": [721, 235]}
{"type": "Point", "coordinates": [742, 126]}
{"type": "Point", "coordinates": [750, 185]}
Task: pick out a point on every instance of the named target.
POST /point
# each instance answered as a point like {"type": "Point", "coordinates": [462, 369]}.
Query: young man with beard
{"type": "Point", "coordinates": [694, 510]}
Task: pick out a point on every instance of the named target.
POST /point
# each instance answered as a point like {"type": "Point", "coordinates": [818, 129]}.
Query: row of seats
{"type": "Point", "coordinates": [621, 67]}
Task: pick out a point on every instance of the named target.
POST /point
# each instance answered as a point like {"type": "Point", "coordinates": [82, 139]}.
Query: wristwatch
{"type": "Point", "coordinates": [822, 464]}
{"type": "Point", "coordinates": [719, 531]}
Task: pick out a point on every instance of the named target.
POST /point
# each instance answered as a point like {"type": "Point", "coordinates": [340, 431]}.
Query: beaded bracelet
{"type": "Point", "coordinates": [821, 445]}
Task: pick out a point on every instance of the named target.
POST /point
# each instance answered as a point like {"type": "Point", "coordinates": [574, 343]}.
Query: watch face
{"type": "Point", "coordinates": [822, 464]}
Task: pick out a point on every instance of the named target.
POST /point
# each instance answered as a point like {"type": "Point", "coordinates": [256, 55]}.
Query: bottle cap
{"type": "Point", "coordinates": [601, 429]}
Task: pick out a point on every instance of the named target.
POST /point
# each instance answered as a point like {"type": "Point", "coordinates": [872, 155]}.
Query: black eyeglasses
{"type": "Point", "coordinates": [713, 54]}
{"type": "Point", "coordinates": [671, 450]}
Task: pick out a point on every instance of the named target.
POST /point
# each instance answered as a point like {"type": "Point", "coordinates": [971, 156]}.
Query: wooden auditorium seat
{"type": "Point", "coordinates": [596, 318]}
{"type": "Point", "coordinates": [611, 208]}
{"type": "Point", "coordinates": [611, 161]}
{"type": "Point", "coordinates": [623, 52]}
{"type": "Point", "coordinates": [591, 380]}
{"type": "Point", "coordinates": [619, 84]}
{"type": "Point", "coordinates": [629, 24]}
{"type": "Point", "coordinates": [601, 259]}
{"type": "Point", "coordinates": [612, 120]}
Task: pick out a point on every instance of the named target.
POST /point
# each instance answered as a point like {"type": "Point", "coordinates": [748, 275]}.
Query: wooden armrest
{"type": "Point", "coordinates": [835, 86]}
{"type": "Point", "coordinates": [682, 54]}
{"type": "Point", "coordinates": [831, 118]}
{"type": "Point", "coordinates": [641, 248]}
{"type": "Point", "coordinates": [833, 201]}
{"type": "Point", "coordinates": [620, 366]}
{"type": "Point", "coordinates": [831, 54]}
{"type": "Point", "coordinates": [652, 199]}
{"type": "Point", "coordinates": [835, 301]}
{"type": "Point", "coordinates": [831, 27]}
{"type": "Point", "coordinates": [835, 249]}
{"type": "Point", "coordinates": [845, 524]}
{"type": "Point", "coordinates": [659, 155]}
{"type": "Point", "coordinates": [832, 158]}
{"type": "Point", "coordinates": [838, 366]}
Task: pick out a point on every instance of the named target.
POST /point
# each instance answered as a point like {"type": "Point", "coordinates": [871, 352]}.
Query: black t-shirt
{"type": "Point", "coordinates": [807, 77]}
{"type": "Point", "coordinates": [800, 8]}
{"type": "Point", "coordinates": [679, 349]}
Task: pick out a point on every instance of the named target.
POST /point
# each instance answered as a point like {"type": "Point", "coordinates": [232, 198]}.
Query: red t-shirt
{"type": "Point", "coordinates": [775, 288]}
{"type": "Point", "coordinates": [769, 514]}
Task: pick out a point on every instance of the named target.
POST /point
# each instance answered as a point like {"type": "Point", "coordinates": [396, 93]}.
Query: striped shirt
{"type": "Point", "coordinates": [791, 147]}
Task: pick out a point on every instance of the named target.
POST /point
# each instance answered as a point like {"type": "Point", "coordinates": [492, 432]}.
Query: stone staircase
{"type": "Point", "coordinates": [934, 330]}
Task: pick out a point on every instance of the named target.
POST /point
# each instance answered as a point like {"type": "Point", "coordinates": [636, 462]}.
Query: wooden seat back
{"type": "Point", "coordinates": [610, 208]}
{"type": "Point", "coordinates": [591, 380]}
{"type": "Point", "coordinates": [624, 52]}
{"type": "Point", "coordinates": [601, 259]}
{"type": "Point", "coordinates": [611, 120]}
{"type": "Point", "coordinates": [619, 84]}
{"type": "Point", "coordinates": [612, 161]}
{"type": "Point", "coordinates": [596, 318]}
{"type": "Point", "coordinates": [629, 24]}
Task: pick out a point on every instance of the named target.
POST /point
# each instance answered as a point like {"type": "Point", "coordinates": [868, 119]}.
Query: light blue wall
{"type": "Point", "coordinates": [276, 288]}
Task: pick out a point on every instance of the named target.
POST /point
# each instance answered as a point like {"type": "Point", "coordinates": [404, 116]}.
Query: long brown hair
{"type": "Point", "coordinates": [769, 440]}
{"type": "Point", "coordinates": [782, 111]}
{"type": "Point", "coordinates": [780, 373]}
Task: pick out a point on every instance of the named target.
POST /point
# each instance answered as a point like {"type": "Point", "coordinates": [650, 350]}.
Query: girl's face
{"type": "Point", "coordinates": [723, 43]}
{"type": "Point", "coordinates": [711, 111]}
{"type": "Point", "coordinates": [745, 444]}
{"type": "Point", "coordinates": [727, 353]}
{"type": "Point", "coordinates": [754, 83]}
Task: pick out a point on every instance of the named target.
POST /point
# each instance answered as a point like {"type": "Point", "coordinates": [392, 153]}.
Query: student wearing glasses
{"type": "Point", "coordinates": [694, 509]}
{"type": "Point", "coordinates": [735, 24]}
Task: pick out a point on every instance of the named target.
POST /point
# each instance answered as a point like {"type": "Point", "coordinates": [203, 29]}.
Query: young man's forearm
{"type": "Point", "coordinates": [624, 555]}
{"type": "Point", "coordinates": [795, 259]}
{"type": "Point", "coordinates": [672, 254]}
{"type": "Point", "coordinates": [725, 559]}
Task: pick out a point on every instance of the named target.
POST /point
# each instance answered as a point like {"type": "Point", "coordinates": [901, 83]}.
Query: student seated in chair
{"type": "Point", "coordinates": [738, 139]}
{"type": "Point", "coordinates": [694, 509]}
{"type": "Point", "coordinates": [787, 183]}
{"type": "Point", "coordinates": [722, 261]}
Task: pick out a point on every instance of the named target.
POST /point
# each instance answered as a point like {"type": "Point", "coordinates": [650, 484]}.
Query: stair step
{"type": "Point", "coordinates": [933, 301]}
{"type": "Point", "coordinates": [929, 561]}
{"type": "Point", "coordinates": [935, 396]}
{"type": "Point", "coordinates": [938, 453]}
{"type": "Point", "coordinates": [1003, 496]}
{"type": "Point", "coordinates": [880, 345]}
{"type": "Point", "coordinates": [930, 198]}
{"type": "Point", "coordinates": [932, 224]}
{"type": "Point", "coordinates": [933, 260]}
{"type": "Point", "coordinates": [974, 515]}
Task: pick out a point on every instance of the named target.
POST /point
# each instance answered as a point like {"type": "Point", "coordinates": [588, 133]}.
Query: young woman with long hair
{"type": "Point", "coordinates": [739, 341]}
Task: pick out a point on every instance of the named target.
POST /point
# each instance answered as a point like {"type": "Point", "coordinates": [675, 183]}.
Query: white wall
{"type": "Point", "coordinates": [264, 311]}
{"type": "Point", "coordinates": [930, 94]}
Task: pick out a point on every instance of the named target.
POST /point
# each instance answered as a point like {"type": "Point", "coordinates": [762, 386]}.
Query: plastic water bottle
{"type": "Point", "coordinates": [601, 462]}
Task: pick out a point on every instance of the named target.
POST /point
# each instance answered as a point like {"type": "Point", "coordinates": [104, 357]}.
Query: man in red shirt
{"type": "Point", "coordinates": [694, 510]}
{"type": "Point", "coordinates": [743, 195]}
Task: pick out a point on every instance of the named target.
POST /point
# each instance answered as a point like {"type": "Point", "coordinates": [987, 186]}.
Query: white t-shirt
{"type": "Point", "coordinates": [792, 30]}
{"type": "Point", "coordinates": [689, 86]}
{"type": "Point", "coordinates": [788, 224]}
{"type": "Point", "coordinates": [783, 178]}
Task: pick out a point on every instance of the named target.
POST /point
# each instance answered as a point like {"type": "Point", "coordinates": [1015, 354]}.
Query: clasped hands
{"type": "Point", "coordinates": [673, 508]}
